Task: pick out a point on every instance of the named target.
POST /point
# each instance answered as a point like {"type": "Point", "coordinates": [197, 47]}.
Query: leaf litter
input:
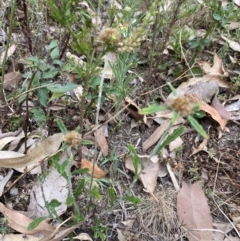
{"type": "Point", "coordinates": [215, 73]}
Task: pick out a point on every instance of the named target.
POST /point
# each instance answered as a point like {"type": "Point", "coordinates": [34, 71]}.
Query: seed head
{"type": "Point", "coordinates": [182, 105]}
{"type": "Point", "coordinates": [73, 138]}
{"type": "Point", "coordinates": [110, 37]}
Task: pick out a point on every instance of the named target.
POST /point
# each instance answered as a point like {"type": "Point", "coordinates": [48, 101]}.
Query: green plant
{"type": "Point", "coordinates": [99, 230]}
{"type": "Point", "coordinates": [3, 226]}
{"type": "Point", "coordinates": [121, 86]}
{"type": "Point", "coordinates": [236, 83]}
{"type": "Point", "coordinates": [180, 106]}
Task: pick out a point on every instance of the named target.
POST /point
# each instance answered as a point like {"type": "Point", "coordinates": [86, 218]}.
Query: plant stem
{"type": "Point", "coordinates": [13, 6]}
{"type": "Point", "coordinates": [170, 29]}
{"type": "Point", "coordinates": [97, 117]}
{"type": "Point", "coordinates": [149, 78]}
{"type": "Point", "coordinates": [199, 48]}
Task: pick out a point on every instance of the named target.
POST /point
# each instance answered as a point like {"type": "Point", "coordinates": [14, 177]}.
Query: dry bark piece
{"type": "Point", "coordinates": [194, 212]}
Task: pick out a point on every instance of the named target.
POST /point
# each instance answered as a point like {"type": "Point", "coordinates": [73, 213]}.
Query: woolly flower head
{"type": "Point", "coordinates": [73, 138]}
{"type": "Point", "coordinates": [182, 105]}
{"type": "Point", "coordinates": [110, 37]}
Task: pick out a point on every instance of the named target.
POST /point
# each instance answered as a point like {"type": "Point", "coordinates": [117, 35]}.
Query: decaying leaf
{"type": "Point", "coordinates": [53, 187]}
{"type": "Point", "coordinates": [18, 237]}
{"type": "Point", "coordinates": [224, 228]}
{"type": "Point", "coordinates": [220, 108]}
{"type": "Point", "coordinates": [194, 213]}
{"type": "Point", "coordinates": [232, 44]}
{"type": "Point", "coordinates": [148, 175]}
{"type": "Point", "coordinates": [102, 141]}
{"type": "Point", "coordinates": [156, 135]}
{"type": "Point", "coordinates": [11, 80]}
{"type": "Point", "coordinates": [204, 90]}
{"type": "Point", "coordinates": [83, 237]}
{"type": "Point", "coordinates": [43, 149]}
{"type": "Point", "coordinates": [210, 110]}
{"type": "Point", "coordinates": [216, 69]}
{"type": "Point", "coordinates": [10, 52]}
{"type": "Point", "coordinates": [20, 222]}
{"type": "Point", "coordinates": [201, 147]}
{"type": "Point", "coordinates": [98, 173]}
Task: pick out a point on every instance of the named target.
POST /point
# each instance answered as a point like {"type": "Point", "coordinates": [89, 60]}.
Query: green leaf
{"type": "Point", "coordinates": [54, 53]}
{"type": "Point", "coordinates": [175, 116]}
{"type": "Point", "coordinates": [39, 115]}
{"type": "Point", "coordinates": [178, 132]}
{"type": "Point", "coordinates": [56, 95]}
{"type": "Point", "coordinates": [61, 126]}
{"type": "Point", "coordinates": [194, 123]}
{"type": "Point", "coordinates": [52, 45]}
{"type": "Point", "coordinates": [62, 88]}
{"type": "Point", "coordinates": [134, 199]}
{"type": "Point", "coordinates": [87, 142]}
{"type": "Point", "coordinates": [43, 96]}
{"type": "Point", "coordinates": [152, 109]}
{"type": "Point", "coordinates": [49, 73]}
{"type": "Point", "coordinates": [35, 223]}
{"type": "Point", "coordinates": [111, 195]}
{"type": "Point", "coordinates": [69, 201]}
{"type": "Point", "coordinates": [94, 192]}
{"type": "Point", "coordinates": [33, 59]}
{"type": "Point", "coordinates": [79, 188]}
{"type": "Point", "coordinates": [57, 62]}
{"type": "Point", "coordinates": [54, 203]}
{"type": "Point", "coordinates": [174, 92]}
{"type": "Point", "coordinates": [135, 158]}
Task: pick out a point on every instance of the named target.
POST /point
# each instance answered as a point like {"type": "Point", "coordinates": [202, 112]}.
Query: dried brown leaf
{"type": "Point", "coordinates": [216, 70]}
{"type": "Point", "coordinates": [11, 80]}
{"type": "Point", "coordinates": [210, 110]}
{"type": "Point", "coordinates": [20, 222]}
{"type": "Point", "coordinates": [83, 237]}
{"type": "Point", "coordinates": [98, 172]}
{"type": "Point", "coordinates": [18, 237]}
{"type": "Point", "coordinates": [222, 83]}
{"type": "Point", "coordinates": [193, 212]}
{"type": "Point", "coordinates": [156, 135]}
{"type": "Point", "coordinates": [232, 44]}
{"type": "Point", "coordinates": [220, 108]}
{"type": "Point", "coordinates": [102, 141]}
{"type": "Point", "coordinates": [10, 52]}
{"type": "Point", "coordinates": [201, 147]}
{"type": "Point", "coordinates": [148, 175]}
{"type": "Point", "coordinates": [43, 149]}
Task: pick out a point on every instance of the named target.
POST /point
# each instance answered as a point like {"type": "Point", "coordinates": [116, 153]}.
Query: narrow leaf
{"type": "Point", "coordinates": [35, 223]}
{"type": "Point", "coordinates": [152, 109]}
{"type": "Point", "coordinates": [194, 123]}
{"type": "Point", "coordinates": [178, 132]}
